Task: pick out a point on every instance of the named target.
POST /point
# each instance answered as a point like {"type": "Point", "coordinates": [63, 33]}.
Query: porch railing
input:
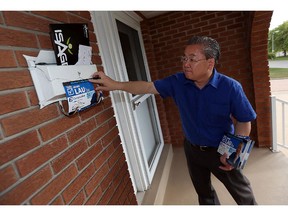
{"type": "Point", "coordinates": [279, 123]}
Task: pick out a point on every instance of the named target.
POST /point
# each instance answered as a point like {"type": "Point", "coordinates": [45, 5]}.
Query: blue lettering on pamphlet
{"type": "Point", "coordinates": [79, 95]}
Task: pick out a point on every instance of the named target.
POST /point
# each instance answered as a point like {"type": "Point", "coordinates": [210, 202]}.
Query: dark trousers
{"type": "Point", "coordinates": [202, 163]}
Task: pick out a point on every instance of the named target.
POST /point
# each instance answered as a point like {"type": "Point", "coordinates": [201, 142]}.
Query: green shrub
{"type": "Point", "coordinates": [271, 56]}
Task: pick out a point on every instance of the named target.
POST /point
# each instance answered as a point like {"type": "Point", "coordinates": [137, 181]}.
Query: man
{"type": "Point", "coordinates": [209, 103]}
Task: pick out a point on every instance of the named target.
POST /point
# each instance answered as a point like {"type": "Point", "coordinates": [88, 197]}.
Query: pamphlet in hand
{"type": "Point", "coordinates": [81, 95]}
{"type": "Point", "coordinates": [237, 148]}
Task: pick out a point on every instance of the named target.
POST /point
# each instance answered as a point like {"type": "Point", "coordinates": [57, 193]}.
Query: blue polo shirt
{"type": "Point", "coordinates": [205, 113]}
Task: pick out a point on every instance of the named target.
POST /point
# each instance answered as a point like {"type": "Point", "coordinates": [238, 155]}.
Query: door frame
{"type": "Point", "coordinates": [112, 58]}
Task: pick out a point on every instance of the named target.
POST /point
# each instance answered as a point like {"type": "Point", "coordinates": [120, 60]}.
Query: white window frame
{"type": "Point", "coordinates": [104, 25]}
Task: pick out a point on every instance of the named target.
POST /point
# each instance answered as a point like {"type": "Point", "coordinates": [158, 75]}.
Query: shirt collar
{"type": "Point", "coordinates": [214, 80]}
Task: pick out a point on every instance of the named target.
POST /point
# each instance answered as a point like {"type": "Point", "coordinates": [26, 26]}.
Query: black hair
{"type": "Point", "coordinates": [211, 47]}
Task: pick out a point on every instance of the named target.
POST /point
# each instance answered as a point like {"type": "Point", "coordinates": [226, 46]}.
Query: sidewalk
{"type": "Point", "coordinates": [278, 64]}
{"type": "Point", "coordinates": [279, 88]}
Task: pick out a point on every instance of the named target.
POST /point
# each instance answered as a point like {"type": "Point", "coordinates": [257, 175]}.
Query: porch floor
{"type": "Point", "coordinates": [267, 172]}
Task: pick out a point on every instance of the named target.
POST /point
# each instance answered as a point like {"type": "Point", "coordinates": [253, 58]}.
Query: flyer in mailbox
{"type": "Point", "coordinates": [80, 95]}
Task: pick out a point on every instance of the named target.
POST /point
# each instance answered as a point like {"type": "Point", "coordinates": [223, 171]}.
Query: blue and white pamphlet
{"type": "Point", "coordinates": [237, 148]}
{"type": "Point", "coordinates": [81, 95]}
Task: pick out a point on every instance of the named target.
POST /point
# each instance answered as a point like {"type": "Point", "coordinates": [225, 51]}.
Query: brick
{"type": "Point", "coordinates": [115, 197]}
{"type": "Point", "coordinates": [104, 116]}
{"type": "Point", "coordinates": [96, 179]}
{"type": "Point", "coordinates": [107, 139]}
{"type": "Point", "coordinates": [70, 192]}
{"type": "Point", "coordinates": [95, 197]}
{"type": "Point", "coordinates": [68, 156]}
{"type": "Point", "coordinates": [123, 199]}
{"type": "Point", "coordinates": [7, 59]}
{"type": "Point", "coordinates": [25, 189]}
{"type": "Point", "coordinates": [40, 156]}
{"type": "Point", "coordinates": [74, 18]}
{"type": "Point", "coordinates": [55, 15]}
{"type": "Point", "coordinates": [96, 59]}
{"type": "Point", "coordinates": [107, 196]}
{"type": "Point", "coordinates": [17, 38]}
{"type": "Point", "coordinates": [28, 119]}
{"type": "Point", "coordinates": [79, 199]}
{"type": "Point", "coordinates": [81, 131]}
{"type": "Point", "coordinates": [58, 201]}
{"type": "Point", "coordinates": [110, 149]}
{"type": "Point", "coordinates": [98, 133]}
{"type": "Point", "coordinates": [18, 146]}
{"type": "Point", "coordinates": [100, 68]}
{"type": "Point", "coordinates": [57, 127]}
{"type": "Point", "coordinates": [101, 159]}
{"type": "Point", "coordinates": [95, 48]}
{"type": "Point", "coordinates": [119, 185]}
{"type": "Point", "coordinates": [1, 19]}
{"type": "Point", "coordinates": [115, 156]}
{"type": "Point", "coordinates": [12, 102]}
{"type": "Point", "coordinates": [112, 123]}
{"type": "Point", "coordinates": [15, 79]}
{"type": "Point", "coordinates": [33, 98]}
{"type": "Point", "coordinates": [55, 186]}
{"type": "Point", "coordinates": [122, 172]}
{"type": "Point", "coordinates": [92, 36]}
{"type": "Point", "coordinates": [109, 178]}
{"type": "Point", "coordinates": [7, 177]}
{"type": "Point", "coordinates": [132, 198]}
{"type": "Point", "coordinates": [20, 58]}
{"type": "Point", "coordinates": [26, 21]}
{"type": "Point", "coordinates": [209, 27]}
{"type": "Point", "coordinates": [88, 156]}
{"type": "Point", "coordinates": [91, 112]}
{"type": "Point", "coordinates": [83, 14]}
{"type": "Point", "coordinates": [44, 42]}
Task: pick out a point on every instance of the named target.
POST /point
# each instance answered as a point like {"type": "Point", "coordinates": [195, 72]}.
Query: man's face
{"type": "Point", "coordinates": [195, 65]}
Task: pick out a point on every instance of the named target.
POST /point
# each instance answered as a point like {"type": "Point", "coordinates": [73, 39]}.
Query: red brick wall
{"type": "Point", "coordinates": [260, 72]}
{"type": "Point", "coordinates": [46, 157]}
{"type": "Point", "coordinates": [165, 37]}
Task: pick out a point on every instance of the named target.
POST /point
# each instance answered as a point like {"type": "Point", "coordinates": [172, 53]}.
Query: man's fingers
{"type": "Point", "coordinates": [97, 74]}
{"type": "Point", "coordinates": [226, 166]}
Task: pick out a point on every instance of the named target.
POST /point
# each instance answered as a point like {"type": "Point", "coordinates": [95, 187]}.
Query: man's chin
{"type": "Point", "coordinates": [189, 76]}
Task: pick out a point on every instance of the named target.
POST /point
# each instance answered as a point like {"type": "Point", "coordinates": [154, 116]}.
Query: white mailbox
{"type": "Point", "coordinates": [48, 77]}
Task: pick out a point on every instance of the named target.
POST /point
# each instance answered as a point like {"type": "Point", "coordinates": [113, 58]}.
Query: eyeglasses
{"type": "Point", "coordinates": [185, 59]}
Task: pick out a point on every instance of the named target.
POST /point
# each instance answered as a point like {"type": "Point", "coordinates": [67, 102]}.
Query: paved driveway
{"type": "Point", "coordinates": [278, 64]}
{"type": "Point", "coordinates": [278, 85]}
{"type": "Point", "coordinates": [279, 88]}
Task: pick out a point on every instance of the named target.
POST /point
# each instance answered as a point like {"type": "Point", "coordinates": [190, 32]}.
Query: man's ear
{"type": "Point", "coordinates": [211, 63]}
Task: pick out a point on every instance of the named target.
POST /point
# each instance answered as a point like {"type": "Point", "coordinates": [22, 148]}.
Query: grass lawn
{"type": "Point", "coordinates": [276, 73]}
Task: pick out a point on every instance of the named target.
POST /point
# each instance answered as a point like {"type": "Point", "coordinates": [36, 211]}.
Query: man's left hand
{"type": "Point", "coordinates": [226, 166]}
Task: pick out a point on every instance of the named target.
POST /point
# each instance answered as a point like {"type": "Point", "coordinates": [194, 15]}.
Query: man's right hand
{"type": "Point", "coordinates": [104, 82]}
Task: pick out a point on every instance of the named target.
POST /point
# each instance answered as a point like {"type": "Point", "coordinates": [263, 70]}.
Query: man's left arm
{"type": "Point", "coordinates": [242, 128]}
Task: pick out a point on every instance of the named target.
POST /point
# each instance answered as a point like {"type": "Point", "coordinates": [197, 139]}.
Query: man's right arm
{"type": "Point", "coordinates": [105, 83]}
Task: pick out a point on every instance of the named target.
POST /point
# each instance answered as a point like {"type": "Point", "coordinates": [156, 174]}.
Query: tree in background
{"type": "Point", "coordinates": [279, 36]}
